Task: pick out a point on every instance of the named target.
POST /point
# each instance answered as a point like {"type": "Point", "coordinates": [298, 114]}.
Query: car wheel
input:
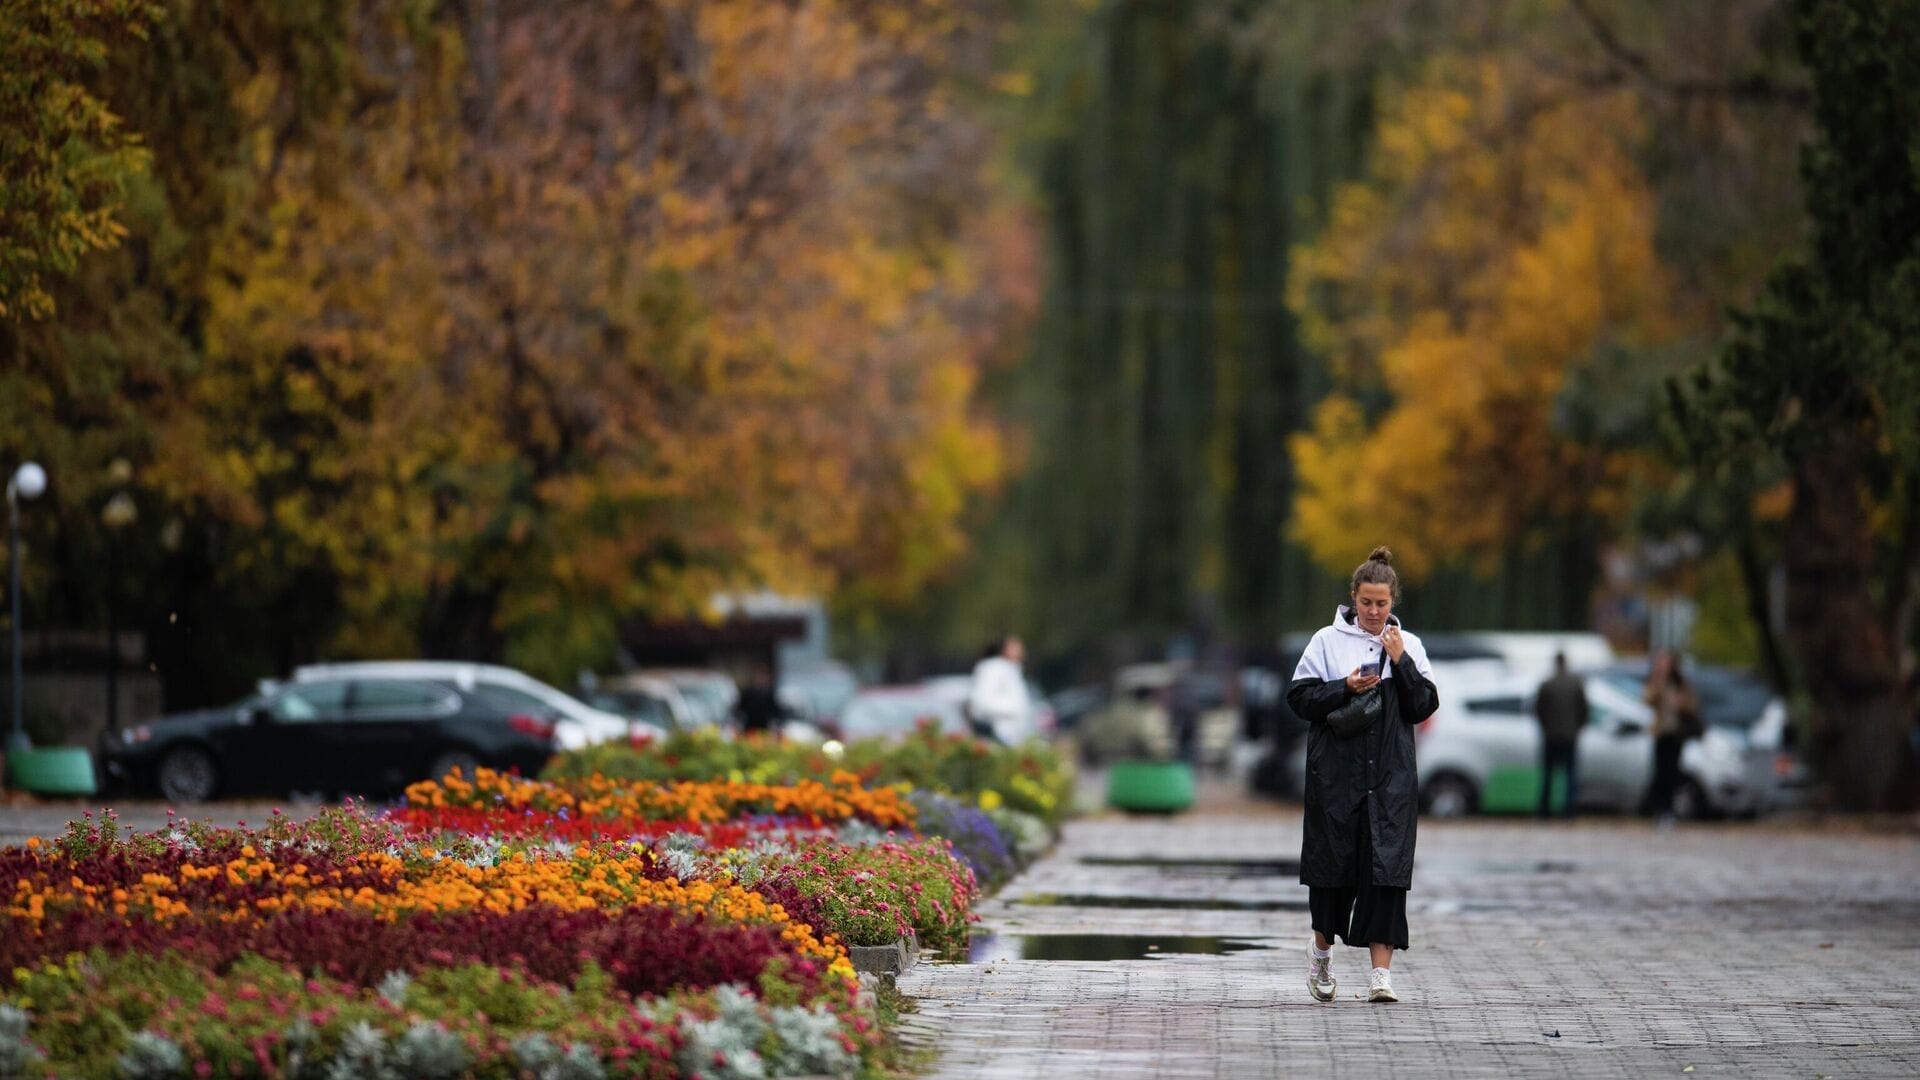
{"type": "Point", "coordinates": [186, 774]}
{"type": "Point", "coordinates": [459, 761]}
{"type": "Point", "coordinates": [1448, 795]}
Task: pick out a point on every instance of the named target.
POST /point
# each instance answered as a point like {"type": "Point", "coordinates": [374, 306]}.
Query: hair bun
{"type": "Point", "coordinates": [1381, 555]}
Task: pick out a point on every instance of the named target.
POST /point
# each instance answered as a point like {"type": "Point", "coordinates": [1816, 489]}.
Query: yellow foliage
{"type": "Point", "coordinates": [1500, 239]}
{"type": "Point", "coordinates": [609, 346]}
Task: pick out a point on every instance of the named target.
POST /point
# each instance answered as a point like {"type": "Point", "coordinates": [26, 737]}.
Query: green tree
{"type": "Point", "coordinates": [1823, 376]}
{"type": "Point", "coordinates": [1165, 369]}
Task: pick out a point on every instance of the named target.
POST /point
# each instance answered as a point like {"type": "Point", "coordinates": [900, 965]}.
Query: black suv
{"type": "Point", "coordinates": [346, 736]}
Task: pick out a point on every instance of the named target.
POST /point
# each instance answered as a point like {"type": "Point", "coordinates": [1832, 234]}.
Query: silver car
{"type": "Point", "coordinates": [1481, 753]}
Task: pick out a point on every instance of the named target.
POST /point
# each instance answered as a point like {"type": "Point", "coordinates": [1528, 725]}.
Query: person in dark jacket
{"type": "Point", "coordinates": [759, 708]}
{"type": "Point", "coordinates": [1362, 797]}
{"type": "Point", "coordinates": [1561, 708]}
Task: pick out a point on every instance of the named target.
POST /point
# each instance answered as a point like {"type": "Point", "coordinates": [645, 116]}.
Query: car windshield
{"type": "Point", "coordinates": [822, 693]}
{"type": "Point", "coordinates": [709, 699]}
{"type": "Point", "coordinates": [635, 705]}
{"type": "Point", "coordinates": [1728, 698]}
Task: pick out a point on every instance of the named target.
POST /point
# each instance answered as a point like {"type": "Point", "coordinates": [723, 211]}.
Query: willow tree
{"type": "Point", "coordinates": [1165, 370]}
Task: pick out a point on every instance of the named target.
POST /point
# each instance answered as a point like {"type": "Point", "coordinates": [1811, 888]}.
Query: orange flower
{"type": "Point", "coordinates": [714, 801]}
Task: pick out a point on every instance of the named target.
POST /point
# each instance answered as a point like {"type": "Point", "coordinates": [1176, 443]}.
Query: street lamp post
{"type": "Point", "coordinates": [27, 482]}
{"type": "Point", "coordinates": [119, 513]}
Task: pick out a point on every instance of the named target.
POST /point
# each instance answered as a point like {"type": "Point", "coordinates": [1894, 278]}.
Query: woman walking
{"type": "Point", "coordinates": [1361, 686]}
{"type": "Point", "coordinates": [1676, 718]}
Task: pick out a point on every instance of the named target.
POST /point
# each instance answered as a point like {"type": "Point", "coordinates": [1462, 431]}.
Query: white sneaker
{"type": "Point", "coordinates": [1380, 986]}
{"type": "Point", "coordinates": [1320, 981]}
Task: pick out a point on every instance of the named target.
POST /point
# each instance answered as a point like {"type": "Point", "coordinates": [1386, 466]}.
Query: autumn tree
{"type": "Point", "coordinates": [1494, 247]}
{"type": "Point", "coordinates": [665, 268]}
{"type": "Point", "coordinates": [481, 329]}
{"type": "Point", "coordinates": [65, 156]}
{"type": "Point", "coordinates": [1469, 294]}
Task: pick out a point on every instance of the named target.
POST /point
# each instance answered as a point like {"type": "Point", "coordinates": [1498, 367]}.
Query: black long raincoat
{"type": "Point", "coordinates": [1372, 773]}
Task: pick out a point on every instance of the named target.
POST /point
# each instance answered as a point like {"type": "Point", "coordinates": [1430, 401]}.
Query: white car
{"type": "Point", "coordinates": [1485, 752]}
{"type": "Point", "coordinates": [644, 699]}
{"type": "Point", "coordinates": [577, 724]}
{"type": "Point", "coordinates": [1481, 752]}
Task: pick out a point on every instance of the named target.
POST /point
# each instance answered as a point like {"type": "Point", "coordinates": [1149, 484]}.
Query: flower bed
{"type": "Point", "coordinates": [263, 1019]}
{"type": "Point", "coordinates": [499, 926]}
{"type": "Point", "coordinates": [1031, 779]}
{"type": "Point", "coordinates": [841, 797]}
{"type": "Point", "coordinates": [849, 882]}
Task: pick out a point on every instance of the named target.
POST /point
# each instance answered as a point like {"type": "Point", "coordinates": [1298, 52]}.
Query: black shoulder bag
{"type": "Point", "coordinates": [1359, 712]}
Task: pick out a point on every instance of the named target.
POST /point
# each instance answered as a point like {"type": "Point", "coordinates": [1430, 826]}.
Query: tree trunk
{"type": "Point", "coordinates": [1753, 575]}
{"type": "Point", "coordinates": [1845, 640]}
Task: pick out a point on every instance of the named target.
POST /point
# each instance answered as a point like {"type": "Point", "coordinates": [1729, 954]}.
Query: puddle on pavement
{"type": "Point", "coordinates": [1506, 868]}
{"type": "Point", "coordinates": [1544, 867]}
{"type": "Point", "coordinates": [1230, 868]}
{"type": "Point", "coordinates": [1176, 903]}
{"type": "Point", "coordinates": [991, 948]}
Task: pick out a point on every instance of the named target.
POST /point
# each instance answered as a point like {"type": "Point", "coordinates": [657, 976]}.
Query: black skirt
{"type": "Point", "coordinates": [1362, 913]}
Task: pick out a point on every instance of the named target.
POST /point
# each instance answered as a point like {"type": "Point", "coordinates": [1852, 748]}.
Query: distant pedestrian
{"type": "Point", "coordinates": [1356, 851]}
{"type": "Point", "coordinates": [1676, 718]}
{"type": "Point", "coordinates": [1184, 706]}
{"type": "Point", "coordinates": [760, 709]}
{"type": "Point", "coordinates": [998, 705]}
{"type": "Point", "coordinates": [1561, 708]}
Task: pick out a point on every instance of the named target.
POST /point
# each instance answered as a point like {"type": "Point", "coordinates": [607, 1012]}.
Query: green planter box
{"type": "Point", "coordinates": [56, 770]}
{"type": "Point", "coordinates": [1515, 789]}
{"type": "Point", "coordinates": [1161, 787]}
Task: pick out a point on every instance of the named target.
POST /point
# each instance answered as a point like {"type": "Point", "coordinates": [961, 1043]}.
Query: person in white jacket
{"type": "Point", "coordinates": [997, 702]}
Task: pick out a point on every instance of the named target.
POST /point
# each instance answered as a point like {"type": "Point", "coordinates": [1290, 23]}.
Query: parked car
{"type": "Point", "coordinates": [1137, 723]}
{"type": "Point", "coordinates": [816, 693]}
{"type": "Point", "coordinates": [707, 694]}
{"type": "Point", "coordinates": [893, 712]}
{"type": "Point", "coordinates": [340, 735]}
{"type": "Point", "coordinates": [1746, 710]}
{"type": "Point", "coordinates": [649, 700]}
{"type": "Point", "coordinates": [1076, 703]}
{"type": "Point", "coordinates": [1481, 752]}
{"type": "Point", "coordinates": [580, 724]}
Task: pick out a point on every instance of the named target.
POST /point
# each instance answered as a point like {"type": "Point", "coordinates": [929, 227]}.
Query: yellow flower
{"type": "Point", "coordinates": [990, 800]}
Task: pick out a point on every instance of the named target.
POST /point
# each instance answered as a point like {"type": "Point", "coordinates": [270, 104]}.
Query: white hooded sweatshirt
{"type": "Point", "coordinates": [1342, 646]}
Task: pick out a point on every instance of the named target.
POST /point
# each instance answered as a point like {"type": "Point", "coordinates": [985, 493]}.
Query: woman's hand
{"type": "Point", "coordinates": [1396, 647]}
{"type": "Point", "coordinates": [1361, 680]}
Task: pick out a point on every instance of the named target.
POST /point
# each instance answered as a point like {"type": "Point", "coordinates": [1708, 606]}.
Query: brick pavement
{"type": "Point", "coordinates": [1745, 950]}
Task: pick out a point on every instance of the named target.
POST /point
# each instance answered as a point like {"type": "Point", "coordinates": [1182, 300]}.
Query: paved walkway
{"type": "Point", "coordinates": [22, 816]}
{"type": "Point", "coordinates": [1593, 949]}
